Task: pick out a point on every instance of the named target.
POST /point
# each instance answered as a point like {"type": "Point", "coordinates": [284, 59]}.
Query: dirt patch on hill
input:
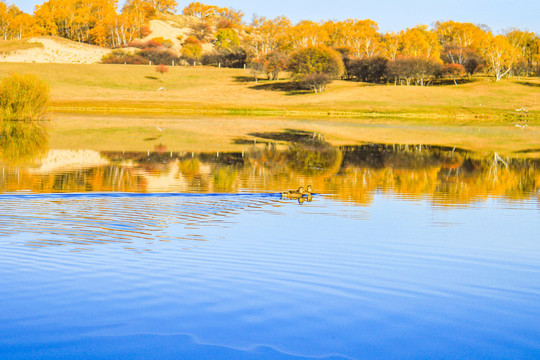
{"type": "Point", "coordinates": [57, 50]}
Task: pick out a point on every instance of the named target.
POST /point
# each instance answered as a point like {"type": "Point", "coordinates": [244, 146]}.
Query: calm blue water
{"type": "Point", "coordinates": [251, 276]}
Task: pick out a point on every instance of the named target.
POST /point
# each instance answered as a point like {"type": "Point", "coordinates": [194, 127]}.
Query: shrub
{"type": "Point", "coordinates": [122, 57]}
{"type": "Point", "coordinates": [158, 56]}
{"type": "Point", "coordinates": [454, 71]}
{"type": "Point", "coordinates": [225, 24]}
{"type": "Point", "coordinates": [227, 39]}
{"type": "Point", "coordinates": [202, 31]}
{"type": "Point", "coordinates": [256, 68]}
{"type": "Point", "coordinates": [274, 63]}
{"type": "Point", "coordinates": [192, 49]}
{"type": "Point", "coordinates": [316, 60]}
{"type": "Point", "coordinates": [163, 42]}
{"type": "Point", "coordinates": [23, 98]}
{"type": "Point", "coordinates": [372, 69]}
{"type": "Point", "coordinates": [473, 64]}
{"type": "Point", "coordinates": [162, 69]}
{"type": "Point", "coordinates": [150, 44]}
{"type": "Point", "coordinates": [315, 67]}
{"type": "Point", "coordinates": [419, 71]}
{"type": "Point", "coordinates": [235, 58]}
{"type": "Point", "coordinates": [315, 82]}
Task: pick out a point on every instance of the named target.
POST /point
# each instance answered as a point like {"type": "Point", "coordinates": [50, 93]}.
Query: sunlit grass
{"type": "Point", "coordinates": [133, 89]}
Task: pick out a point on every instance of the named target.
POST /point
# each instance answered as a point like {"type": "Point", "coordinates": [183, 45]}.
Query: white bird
{"type": "Point", "coordinates": [160, 128]}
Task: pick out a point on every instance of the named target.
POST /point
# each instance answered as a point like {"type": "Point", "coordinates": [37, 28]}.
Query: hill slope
{"type": "Point", "coordinates": [56, 50]}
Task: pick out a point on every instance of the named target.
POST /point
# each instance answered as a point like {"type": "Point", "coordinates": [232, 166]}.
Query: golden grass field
{"type": "Point", "coordinates": [118, 107]}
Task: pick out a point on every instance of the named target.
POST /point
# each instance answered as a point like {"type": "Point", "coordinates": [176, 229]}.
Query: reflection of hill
{"type": "Point", "coordinates": [351, 173]}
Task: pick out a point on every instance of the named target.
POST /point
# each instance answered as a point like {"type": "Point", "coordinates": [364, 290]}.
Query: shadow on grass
{"type": "Point", "coordinates": [526, 83]}
{"type": "Point", "coordinates": [244, 79]}
{"type": "Point", "coordinates": [151, 77]}
{"type": "Point", "coordinates": [288, 87]}
{"type": "Point", "coordinates": [528, 151]}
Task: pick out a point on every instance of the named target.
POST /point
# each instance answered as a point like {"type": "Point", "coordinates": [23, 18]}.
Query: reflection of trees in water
{"type": "Point", "coordinates": [446, 174]}
{"type": "Point", "coordinates": [22, 142]}
{"type": "Point", "coordinates": [102, 179]}
{"type": "Point", "coordinates": [352, 173]}
{"type": "Point", "coordinates": [314, 161]}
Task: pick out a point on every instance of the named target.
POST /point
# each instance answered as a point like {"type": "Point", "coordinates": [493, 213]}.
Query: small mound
{"type": "Point", "coordinates": [57, 50]}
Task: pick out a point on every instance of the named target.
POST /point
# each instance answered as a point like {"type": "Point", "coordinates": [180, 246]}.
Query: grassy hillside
{"type": "Point", "coordinates": [133, 89]}
{"type": "Point", "coordinates": [9, 46]}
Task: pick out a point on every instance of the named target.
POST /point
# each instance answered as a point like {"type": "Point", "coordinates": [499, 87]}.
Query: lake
{"type": "Point", "coordinates": [403, 252]}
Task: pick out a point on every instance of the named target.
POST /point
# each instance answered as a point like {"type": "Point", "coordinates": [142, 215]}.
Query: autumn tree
{"type": "Point", "coordinates": [454, 71]}
{"type": "Point", "coordinates": [266, 35]}
{"type": "Point", "coordinates": [461, 35]}
{"type": "Point", "coordinates": [162, 69]}
{"type": "Point", "coordinates": [227, 39]}
{"type": "Point", "coordinates": [15, 24]}
{"type": "Point", "coordinates": [391, 44]}
{"type": "Point", "coordinates": [364, 39]}
{"type": "Point", "coordinates": [306, 34]}
{"type": "Point", "coordinates": [275, 63]}
{"type": "Point", "coordinates": [500, 56]}
{"type": "Point", "coordinates": [164, 5]}
{"type": "Point", "coordinates": [212, 13]}
{"type": "Point", "coordinates": [420, 42]}
{"type": "Point", "coordinates": [257, 68]}
{"type": "Point", "coordinates": [316, 65]}
{"type": "Point", "coordinates": [338, 33]}
{"type": "Point", "coordinates": [526, 44]}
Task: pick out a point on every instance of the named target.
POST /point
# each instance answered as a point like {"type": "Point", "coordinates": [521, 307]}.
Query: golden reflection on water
{"type": "Point", "coordinates": [22, 142]}
{"type": "Point", "coordinates": [350, 173]}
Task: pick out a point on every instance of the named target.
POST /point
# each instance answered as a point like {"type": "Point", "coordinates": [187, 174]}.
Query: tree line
{"type": "Point", "coordinates": [415, 55]}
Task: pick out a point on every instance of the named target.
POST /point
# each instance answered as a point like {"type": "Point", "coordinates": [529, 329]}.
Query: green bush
{"type": "Point", "coordinates": [23, 98]}
{"type": "Point", "coordinates": [316, 60]}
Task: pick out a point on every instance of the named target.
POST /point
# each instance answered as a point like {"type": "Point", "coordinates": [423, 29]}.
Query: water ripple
{"type": "Point", "coordinates": [89, 219]}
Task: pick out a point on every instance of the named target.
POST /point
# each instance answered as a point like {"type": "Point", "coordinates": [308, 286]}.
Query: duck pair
{"type": "Point", "coordinates": [296, 194]}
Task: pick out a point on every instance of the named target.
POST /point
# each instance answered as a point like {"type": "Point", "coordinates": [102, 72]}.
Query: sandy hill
{"type": "Point", "coordinates": [57, 50]}
{"type": "Point", "coordinates": [175, 28]}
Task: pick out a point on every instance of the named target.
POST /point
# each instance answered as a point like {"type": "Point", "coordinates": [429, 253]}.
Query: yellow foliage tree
{"type": "Point", "coordinates": [465, 35]}
{"type": "Point", "coordinates": [420, 42]}
{"type": "Point", "coordinates": [364, 39]}
{"type": "Point", "coordinates": [306, 34]}
{"type": "Point", "coordinates": [163, 5]}
{"type": "Point", "coordinates": [266, 35]}
{"type": "Point", "coordinates": [391, 43]}
{"type": "Point", "coordinates": [500, 56]}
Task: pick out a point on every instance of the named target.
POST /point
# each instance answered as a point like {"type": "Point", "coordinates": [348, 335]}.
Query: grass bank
{"type": "Point", "coordinates": [132, 90]}
{"type": "Point", "coordinates": [236, 133]}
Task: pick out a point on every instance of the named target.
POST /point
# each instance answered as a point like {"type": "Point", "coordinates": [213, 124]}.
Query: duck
{"type": "Point", "coordinates": [294, 194]}
{"type": "Point", "coordinates": [309, 190]}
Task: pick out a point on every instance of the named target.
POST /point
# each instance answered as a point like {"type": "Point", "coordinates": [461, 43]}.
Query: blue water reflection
{"type": "Point", "coordinates": [252, 276]}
